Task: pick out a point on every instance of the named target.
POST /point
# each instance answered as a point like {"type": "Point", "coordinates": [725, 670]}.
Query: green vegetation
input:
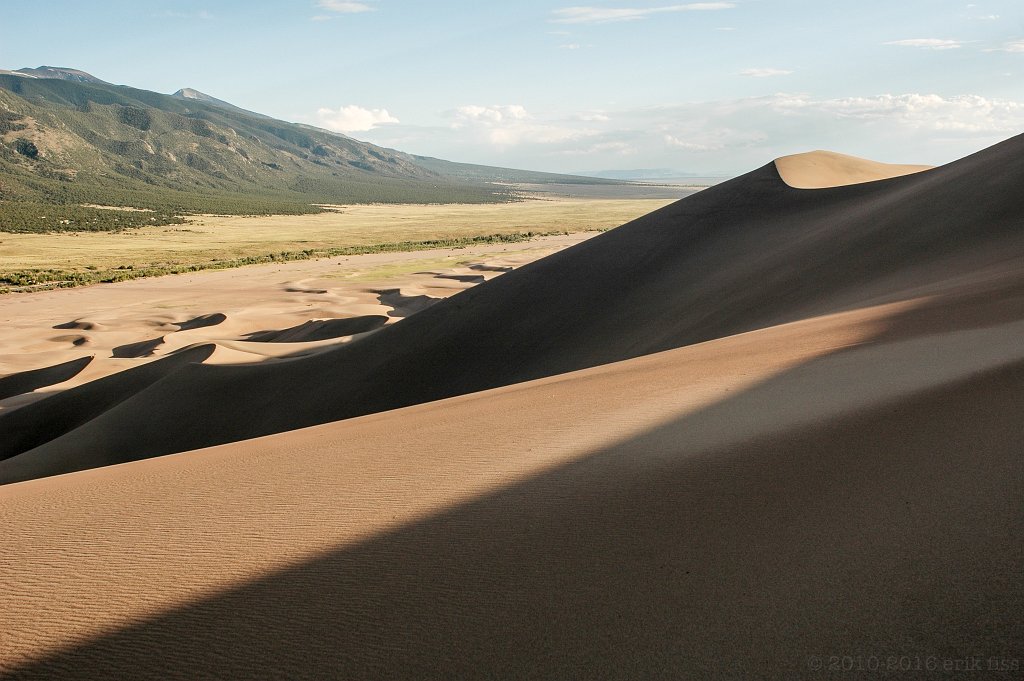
{"type": "Point", "coordinates": [10, 122]}
{"type": "Point", "coordinates": [26, 148]}
{"type": "Point", "coordinates": [64, 144]}
{"type": "Point", "coordinates": [35, 279]}
{"type": "Point", "coordinates": [29, 217]}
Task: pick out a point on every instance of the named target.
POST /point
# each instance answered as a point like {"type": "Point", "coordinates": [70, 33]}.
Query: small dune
{"type": "Point", "coordinates": [144, 348]}
{"type": "Point", "coordinates": [202, 321]}
{"type": "Point", "coordinates": [463, 278]}
{"type": "Point", "coordinates": [321, 329]}
{"type": "Point", "coordinates": [76, 339]}
{"type": "Point", "coordinates": [480, 267]}
{"type": "Point", "coordinates": [403, 305]}
{"type": "Point", "coordinates": [80, 325]}
{"type": "Point", "coordinates": [27, 381]}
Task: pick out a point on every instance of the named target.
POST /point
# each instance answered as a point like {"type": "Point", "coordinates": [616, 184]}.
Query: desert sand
{"type": "Point", "coordinates": [755, 431]}
{"type": "Point", "coordinates": [54, 340]}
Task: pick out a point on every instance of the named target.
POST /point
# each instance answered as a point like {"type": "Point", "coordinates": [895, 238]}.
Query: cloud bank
{"type": "Point", "coordinates": [724, 135]}
{"type": "Point", "coordinates": [353, 118]}
{"type": "Point", "coordinates": [927, 43]}
{"type": "Point", "coordinates": [604, 15]}
{"type": "Point", "coordinates": [344, 6]}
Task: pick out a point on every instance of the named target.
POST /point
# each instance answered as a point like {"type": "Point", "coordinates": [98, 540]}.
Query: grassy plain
{"type": "Point", "coordinates": [205, 242]}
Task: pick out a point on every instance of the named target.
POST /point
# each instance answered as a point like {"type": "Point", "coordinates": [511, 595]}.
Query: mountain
{"type": "Point", "coordinates": [61, 73]}
{"type": "Point", "coordinates": [746, 254]}
{"type": "Point", "coordinates": [68, 139]}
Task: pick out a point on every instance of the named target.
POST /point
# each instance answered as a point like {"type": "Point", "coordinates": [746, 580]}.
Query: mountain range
{"type": "Point", "coordinates": [69, 139]}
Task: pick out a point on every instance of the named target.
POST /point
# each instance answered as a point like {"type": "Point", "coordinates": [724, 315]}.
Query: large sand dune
{"type": "Point", "coordinates": [747, 254]}
{"type": "Point", "coordinates": [747, 507]}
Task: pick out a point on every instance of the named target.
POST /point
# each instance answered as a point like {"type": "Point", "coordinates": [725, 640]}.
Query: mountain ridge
{"type": "Point", "coordinates": [67, 141]}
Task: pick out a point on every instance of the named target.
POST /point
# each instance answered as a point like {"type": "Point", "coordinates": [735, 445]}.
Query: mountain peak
{"type": "Point", "coordinates": [196, 95]}
{"type": "Point", "coordinates": [61, 73]}
{"type": "Point", "coordinates": [189, 93]}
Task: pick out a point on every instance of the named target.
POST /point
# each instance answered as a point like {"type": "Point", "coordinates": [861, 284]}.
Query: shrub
{"type": "Point", "coordinates": [26, 148]}
{"type": "Point", "coordinates": [136, 117]}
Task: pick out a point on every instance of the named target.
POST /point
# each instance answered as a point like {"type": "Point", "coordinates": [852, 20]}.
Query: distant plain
{"type": "Point", "coordinates": [30, 261]}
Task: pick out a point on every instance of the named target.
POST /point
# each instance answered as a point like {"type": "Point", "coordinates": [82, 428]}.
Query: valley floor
{"type": "Point", "coordinates": [211, 241]}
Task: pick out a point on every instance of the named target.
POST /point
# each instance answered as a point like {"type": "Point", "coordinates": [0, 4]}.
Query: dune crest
{"type": "Point", "coordinates": [820, 169]}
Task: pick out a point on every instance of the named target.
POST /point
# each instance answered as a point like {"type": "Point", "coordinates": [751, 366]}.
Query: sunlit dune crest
{"type": "Point", "coordinates": [821, 169]}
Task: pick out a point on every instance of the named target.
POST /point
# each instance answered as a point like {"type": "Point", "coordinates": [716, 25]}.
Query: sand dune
{"type": "Point", "coordinates": [842, 485]}
{"type": "Point", "coordinates": [145, 348]}
{"type": "Point", "coordinates": [202, 321]}
{"type": "Point", "coordinates": [820, 169]}
{"type": "Point", "coordinates": [27, 381]}
{"type": "Point", "coordinates": [746, 254]}
{"type": "Point", "coordinates": [68, 410]}
{"type": "Point", "coordinates": [321, 329]}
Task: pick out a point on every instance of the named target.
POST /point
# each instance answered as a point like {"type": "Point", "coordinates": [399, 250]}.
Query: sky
{"type": "Point", "coordinates": [706, 88]}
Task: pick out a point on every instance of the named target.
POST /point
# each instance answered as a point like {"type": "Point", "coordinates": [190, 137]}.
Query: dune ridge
{"type": "Point", "coordinates": [33, 379]}
{"type": "Point", "coordinates": [743, 255]}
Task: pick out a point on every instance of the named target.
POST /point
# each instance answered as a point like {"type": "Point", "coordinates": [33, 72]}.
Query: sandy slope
{"type": "Point", "coordinates": [820, 169]}
{"type": "Point", "coordinates": [746, 254]}
{"type": "Point", "coordinates": [838, 486]}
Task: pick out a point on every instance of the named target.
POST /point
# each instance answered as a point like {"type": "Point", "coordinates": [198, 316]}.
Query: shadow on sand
{"type": "Point", "coordinates": [884, 532]}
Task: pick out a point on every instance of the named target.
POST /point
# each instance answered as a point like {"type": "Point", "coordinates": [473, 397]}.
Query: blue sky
{"type": "Point", "coordinates": [705, 87]}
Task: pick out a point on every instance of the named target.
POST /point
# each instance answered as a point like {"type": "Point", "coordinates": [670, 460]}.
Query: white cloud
{"type": "Point", "coordinates": [510, 125]}
{"type": "Point", "coordinates": [570, 46]}
{"type": "Point", "coordinates": [353, 118]}
{"type": "Point", "coordinates": [764, 73]}
{"type": "Point", "coordinates": [205, 15]}
{"type": "Point", "coordinates": [344, 6]}
{"type": "Point", "coordinates": [603, 15]}
{"type": "Point", "coordinates": [1012, 46]}
{"type": "Point", "coordinates": [966, 114]}
{"type": "Point", "coordinates": [723, 135]}
{"type": "Point", "coordinates": [927, 43]}
{"type": "Point", "coordinates": [601, 148]}
{"type": "Point", "coordinates": [489, 114]}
